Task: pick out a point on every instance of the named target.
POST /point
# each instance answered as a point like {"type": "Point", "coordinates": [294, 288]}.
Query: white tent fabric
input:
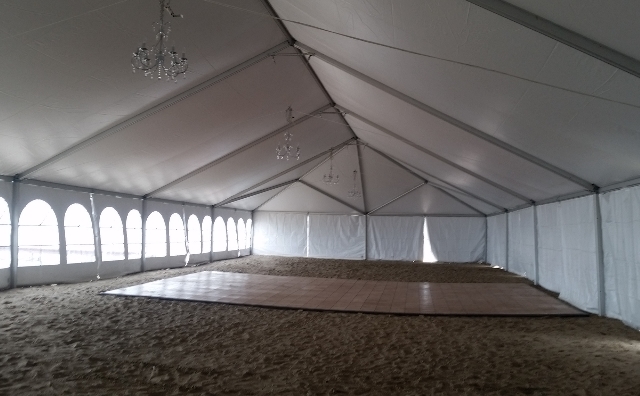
{"type": "Point", "coordinates": [345, 162]}
{"type": "Point", "coordinates": [302, 198]}
{"type": "Point", "coordinates": [395, 238]}
{"type": "Point", "coordinates": [497, 240]}
{"type": "Point", "coordinates": [337, 236]}
{"type": "Point", "coordinates": [522, 243]}
{"type": "Point", "coordinates": [621, 235]}
{"type": "Point", "coordinates": [446, 93]}
{"type": "Point", "coordinates": [280, 234]}
{"type": "Point", "coordinates": [427, 200]}
{"type": "Point", "coordinates": [567, 254]}
{"type": "Point", "coordinates": [384, 180]}
{"type": "Point", "coordinates": [457, 239]}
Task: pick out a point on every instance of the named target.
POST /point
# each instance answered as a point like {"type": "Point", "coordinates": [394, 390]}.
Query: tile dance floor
{"type": "Point", "coordinates": [517, 299]}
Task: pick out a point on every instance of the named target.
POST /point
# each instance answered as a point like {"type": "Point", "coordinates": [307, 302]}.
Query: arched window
{"type": "Point", "coordinates": [5, 235]}
{"type": "Point", "coordinates": [134, 235]}
{"type": "Point", "coordinates": [176, 236]}
{"type": "Point", "coordinates": [195, 235]}
{"type": "Point", "coordinates": [232, 235]}
{"type": "Point", "coordinates": [38, 239]}
{"type": "Point", "coordinates": [242, 235]}
{"type": "Point", "coordinates": [78, 232]}
{"type": "Point", "coordinates": [111, 235]}
{"type": "Point", "coordinates": [249, 233]}
{"type": "Point", "coordinates": [219, 235]}
{"type": "Point", "coordinates": [206, 234]}
{"type": "Point", "coordinates": [156, 233]}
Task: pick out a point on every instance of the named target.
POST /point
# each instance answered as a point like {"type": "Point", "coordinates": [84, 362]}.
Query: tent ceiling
{"type": "Point", "coordinates": [560, 127]}
{"type": "Point", "coordinates": [426, 200]}
{"type": "Point", "coordinates": [612, 23]}
{"type": "Point", "coordinates": [301, 198]}
{"type": "Point", "coordinates": [66, 80]}
{"type": "Point", "coordinates": [345, 162]}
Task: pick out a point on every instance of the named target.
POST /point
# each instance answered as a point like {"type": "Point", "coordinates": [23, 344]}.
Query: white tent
{"type": "Point", "coordinates": [503, 131]}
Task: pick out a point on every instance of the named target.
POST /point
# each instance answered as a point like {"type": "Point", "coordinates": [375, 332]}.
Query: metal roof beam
{"type": "Point", "coordinates": [237, 151]}
{"type": "Point", "coordinates": [284, 172]}
{"type": "Point", "coordinates": [437, 156]}
{"type": "Point", "coordinates": [451, 120]}
{"type": "Point", "coordinates": [561, 34]}
{"type": "Point", "coordinates": [332, 197]}
{"type": "Point", "coordinates": [240, 198]}
{"type": "Point", "coordinates": [154, 110]}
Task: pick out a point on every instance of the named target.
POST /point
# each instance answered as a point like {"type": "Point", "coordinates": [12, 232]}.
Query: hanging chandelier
{"type": "Point", "coordinates": [287, 150]}
{"type": "Point", "coordinates": [331, 178]}
{"type": "Point", "coordinates": [158, 60]}
{"type": "Point", "coordinates": [354, 193]}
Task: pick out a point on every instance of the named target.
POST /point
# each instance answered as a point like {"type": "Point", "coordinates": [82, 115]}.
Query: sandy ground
{"type": "Point", "coordinates": [67, 339]}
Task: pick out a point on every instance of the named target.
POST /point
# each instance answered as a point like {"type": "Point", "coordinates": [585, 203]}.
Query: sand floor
{"type": "Point", "coordinates": [67, 339]}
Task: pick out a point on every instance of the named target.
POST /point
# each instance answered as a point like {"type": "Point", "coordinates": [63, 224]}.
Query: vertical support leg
{"type": "Point", "coordinates": [143, 256]}
{"type": "Point", "coordinates": [602, 302]}
{"type": "Point", "coordinates": [96, 234]}
{"type": "Point", "coordinates": [536, 263]}
{"type": "Point", "coordinates": [13, 273]}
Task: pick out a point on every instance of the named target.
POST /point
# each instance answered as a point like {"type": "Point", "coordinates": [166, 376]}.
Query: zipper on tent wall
{"type": "Point", "coordinates": [96, 234]}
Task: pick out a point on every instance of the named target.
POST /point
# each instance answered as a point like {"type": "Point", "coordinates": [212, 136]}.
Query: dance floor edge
{"type": "Point", "coordinates": [351, 295]}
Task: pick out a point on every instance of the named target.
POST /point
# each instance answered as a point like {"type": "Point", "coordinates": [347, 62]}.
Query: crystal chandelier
{"type": "Point", "coordinates": [158, 60]}
{"type": "Point", "coordinates": [354, 193]}
{"type": "Point", "coordinates": [287, 150]}
{"type": "Point", "coordinates": [331, 178]}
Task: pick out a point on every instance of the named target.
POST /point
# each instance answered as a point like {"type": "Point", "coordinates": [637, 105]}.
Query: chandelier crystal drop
{"type": "Point", "coordinates": [288, 150]}
{"type": "Point", "coordinates": [331, 178]}
{"type": "Point", "coordinates": [354, 193]}
{"type": "Point", "coordinates": [158, 61]}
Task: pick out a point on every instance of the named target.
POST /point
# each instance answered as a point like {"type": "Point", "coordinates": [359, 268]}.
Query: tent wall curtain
{"type": "Point", "coordinates": [522, 243]}
{"type": "Point", "coordinates": [280, 234]}
{"type": "Point", "coordinates": [621, 243]}
{"type": "Point", "coordinates": [457, 239]}
{"type": "Point", "coordinates": [112, 269]}
{"type": "Point", "coordinates": [497, 240]}
{"type": "Point", "coordinates": [337, 236]}
{"type": "Point", "coordinates": [395, 238]}
{"type": "Point", "coordinates": [567, 251]}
